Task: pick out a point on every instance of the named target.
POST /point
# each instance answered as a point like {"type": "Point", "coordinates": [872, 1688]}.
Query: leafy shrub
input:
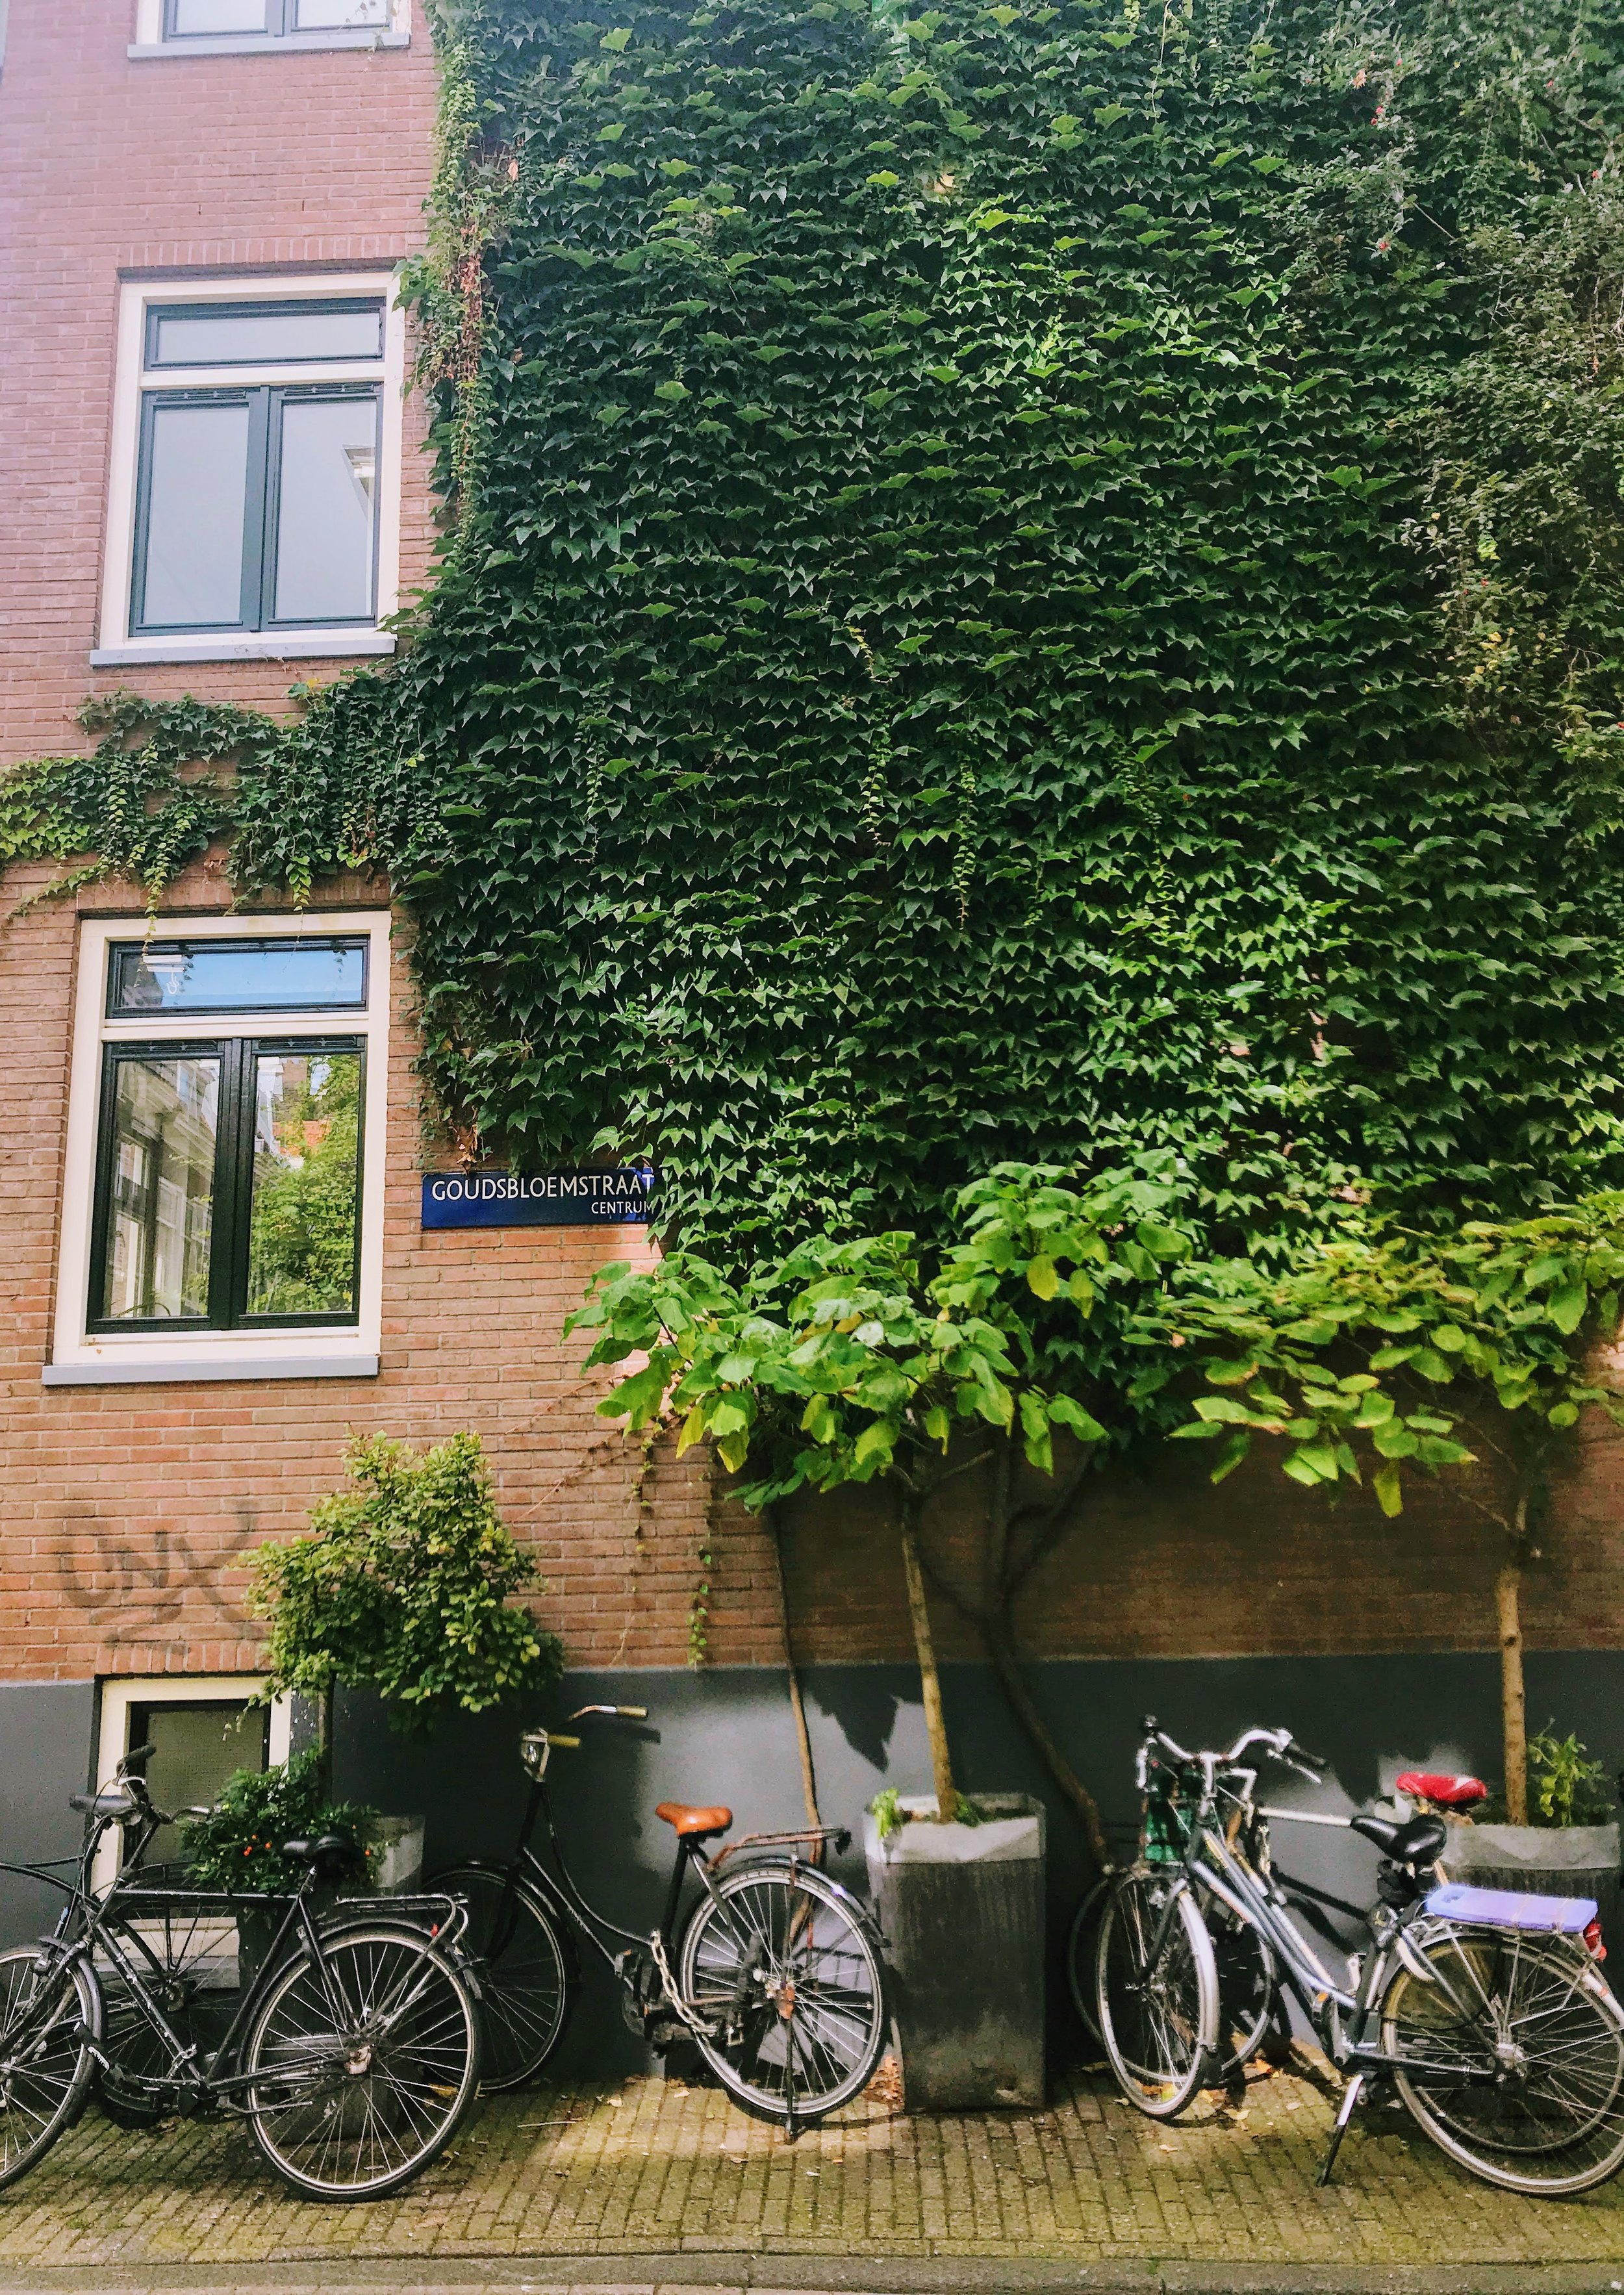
{"type": "Point", "coordinates": [1568, 1788]}
{"type": "Point", "coordinates": [403, 1586]}
{"type": "Point", "coordinates": [238, 1846]}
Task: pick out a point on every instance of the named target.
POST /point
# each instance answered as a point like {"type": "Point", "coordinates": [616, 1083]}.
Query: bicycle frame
{"type": "Point", "coordinates": [562, 1897]}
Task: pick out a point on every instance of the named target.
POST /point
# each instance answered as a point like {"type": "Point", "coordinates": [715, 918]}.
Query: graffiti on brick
{"type": "Point", "coordinates": [139, 1593]}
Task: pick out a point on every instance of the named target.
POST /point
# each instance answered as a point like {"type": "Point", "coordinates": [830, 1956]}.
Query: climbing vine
{"type": "Point", "coordinates": [1028, 583]}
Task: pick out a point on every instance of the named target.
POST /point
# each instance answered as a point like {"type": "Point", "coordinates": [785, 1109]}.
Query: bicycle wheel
{"type": "Point", "coordinates": [524, 1965]}
{"type": "Point", "coordinates": [1511, 2058]}
{"type": "Point", "coordinates": [1157, 1988]}
{"type": "Point", "coordinates": [786, 1979]}
{"type": "Point", "coordinates": [48, 2017]}
{"type": "Point", "coordinates": [364, 2063]}
{"type": "Point", "coordinates": [1082, 1951]}
{"type": "Point", "coordinates": [1248, 1988]}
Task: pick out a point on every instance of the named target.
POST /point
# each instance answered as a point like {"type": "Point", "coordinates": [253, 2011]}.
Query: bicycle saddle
{"type": "Point", "coordinates": [1448, 1791]}
{"type": "Point", "coordinates": [1417, 1842]}
{"type": "Point", "coordinates": [110, 1803]}
{"type": "Point", "coordinates": [330, 1850]}
{"type": "Point", "coordinates": [694, 1824]}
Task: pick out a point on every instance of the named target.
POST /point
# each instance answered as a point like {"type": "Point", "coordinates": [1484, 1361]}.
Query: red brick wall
{"type": "Point", "coordinates": [110, 167]}
{"type": "Point", "coordinates": [125, 1510]}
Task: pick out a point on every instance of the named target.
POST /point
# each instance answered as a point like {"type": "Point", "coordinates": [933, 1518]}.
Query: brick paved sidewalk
{"type": "Point", "coordinates": [651, 2167]}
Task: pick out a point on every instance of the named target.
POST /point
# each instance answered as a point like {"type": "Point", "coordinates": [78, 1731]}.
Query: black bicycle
{"type": "Point", "coordinates": [352, 2053]}
{"type": "Point", "coordinates": [775, 1974]}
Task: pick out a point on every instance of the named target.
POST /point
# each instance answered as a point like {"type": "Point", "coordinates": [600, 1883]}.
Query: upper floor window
{"type": "Point", "coordinates": [225, 1147]}
{"type": "Point", "coordinates": [188, 20]}
{"type": "Point", "coordinates": [258, 455]}
{"type": "Point", "coordinates": [171, 26]}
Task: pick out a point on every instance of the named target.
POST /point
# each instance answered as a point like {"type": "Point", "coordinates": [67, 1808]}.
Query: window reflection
{"type": "Point", "coordinates": [164, 1130]}
{"type": "Point", "coordinates": [306, 1167]}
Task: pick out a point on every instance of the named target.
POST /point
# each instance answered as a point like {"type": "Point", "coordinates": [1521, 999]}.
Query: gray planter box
{"type": "Point", "coordinates": [1545, 1860]}
{"type": "Point", "coordinates": [961, 1909]}
{"type": "Point", "coordinates": [395, 1865]}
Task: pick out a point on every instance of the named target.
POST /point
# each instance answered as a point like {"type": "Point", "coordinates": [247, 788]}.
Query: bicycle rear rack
{"type": "Point", "coordinates": [839, 1834]}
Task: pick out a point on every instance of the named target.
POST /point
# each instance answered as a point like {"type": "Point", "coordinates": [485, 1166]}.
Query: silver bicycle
{"type": "Point", "coordinates": [1486, 2012]}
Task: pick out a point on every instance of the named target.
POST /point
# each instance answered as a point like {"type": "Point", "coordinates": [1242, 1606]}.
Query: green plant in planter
{"type": "Point", "coordinates": [238, 1845]}
{"type": "Point", "coordinates": [406, 1585]}
{"type": "Point", "coordinates": [1568, 1788]}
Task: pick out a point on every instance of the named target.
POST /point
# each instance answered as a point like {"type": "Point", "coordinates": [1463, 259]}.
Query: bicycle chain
{"type": "Point", "coordinates": [680, 2008]}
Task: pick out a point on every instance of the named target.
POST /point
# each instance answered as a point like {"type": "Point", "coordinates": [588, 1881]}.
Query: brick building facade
{"type": "Point", "coordinates": [154, 176]}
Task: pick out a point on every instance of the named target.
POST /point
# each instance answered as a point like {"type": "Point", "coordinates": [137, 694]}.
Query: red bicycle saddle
{"type": "Point", "coordinates": [694, 1824]}
{"type": "Point", "coordinates": [1447, 1793]}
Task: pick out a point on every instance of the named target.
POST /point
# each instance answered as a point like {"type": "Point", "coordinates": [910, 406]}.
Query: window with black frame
{"type": "Point", "coordinates": [230, 1157]}
{"type": "Point", "coordinates": [257, 486]}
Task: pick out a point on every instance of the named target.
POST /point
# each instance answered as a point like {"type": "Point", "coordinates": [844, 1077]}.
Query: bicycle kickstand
{"type": "Point", "coordinates": [1345, 2111]}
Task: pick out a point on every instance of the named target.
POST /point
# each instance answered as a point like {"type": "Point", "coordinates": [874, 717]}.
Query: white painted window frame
{"type": "Point", "coordinates": [113, 1735]}
{"type": "Point", "coordinates": [116, 647]}
{"type": "Point", "coordinates": [118, 1358]}
{"type": "Point", "coordinates": [149, 44]}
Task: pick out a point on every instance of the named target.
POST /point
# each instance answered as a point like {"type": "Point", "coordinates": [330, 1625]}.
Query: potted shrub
{"type": "Point", "coordinates": [1569, 1845]}
{"type": "Point", "coordinates": [238, 1846]}
{"type": "Point", "coordinates": [406, 1585]}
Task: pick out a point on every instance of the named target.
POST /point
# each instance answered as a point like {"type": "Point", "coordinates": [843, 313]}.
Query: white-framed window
{"type": "Point", "coordinates": [223, 1195]}
{"type": "Point", "coordinates": [254, 503]}
{"type": "Point", "coordinates": [169, 28]}
{"type": "Point", "coordinates": [201, 1728]}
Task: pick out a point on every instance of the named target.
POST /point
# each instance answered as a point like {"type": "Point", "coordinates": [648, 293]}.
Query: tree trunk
{"type": "Point", "coordinates": [1513, 1702]}
{"type": "Point", "coordinates": [797, 1705]}
{"type": "Point", "coordinates": [947, 1791]}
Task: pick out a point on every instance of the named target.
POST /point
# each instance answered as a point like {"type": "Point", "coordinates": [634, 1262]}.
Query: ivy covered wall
{"type": "Point", "coordinates": [1023, 581]}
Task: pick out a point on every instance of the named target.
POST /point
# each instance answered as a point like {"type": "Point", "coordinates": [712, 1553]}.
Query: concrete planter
{"type": "Point", "coordinates": [396, 1863]}
{"type": "Point", "coordinates": [1546, 1860]}
{"type": "Point", "coordinates": [961, 1910]}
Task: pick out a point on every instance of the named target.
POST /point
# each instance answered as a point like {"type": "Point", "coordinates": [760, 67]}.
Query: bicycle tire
{"type": "Point", "coordinates": [1159, 2025]}
{"type": "Point", "coordinates": [352, 2100]}
{"type": "Point", "coordinates": [48, 2021]}
{"type": "Point", "coordinates": [1081, 1949]}
{"type": "Point", "coordinates": [787, 1979]}
{"type": "Point", "coordinates": [1550, 2122]}
{"type": "Point", "coordinates": [527, 1985]}
{"type": "Point", "coordinates": [1248, 1989]}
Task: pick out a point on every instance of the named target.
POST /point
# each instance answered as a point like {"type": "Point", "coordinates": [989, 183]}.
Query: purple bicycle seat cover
{"type": "Point", "coordinates": [1509, 1908]}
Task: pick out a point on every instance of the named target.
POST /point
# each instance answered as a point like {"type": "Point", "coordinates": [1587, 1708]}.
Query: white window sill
{"type": "Point", "coordinates": [176, 1371]}
{"type": "Point", "coordinates": [326, 645]}
{"type": "Point", "coordinates": [256, 43]}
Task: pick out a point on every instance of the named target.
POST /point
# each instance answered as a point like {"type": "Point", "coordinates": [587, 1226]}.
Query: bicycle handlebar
{"type": "Point", "coordinates": [1280, 1743]}
{"type": "Point", "coordinates": [616, 1713]}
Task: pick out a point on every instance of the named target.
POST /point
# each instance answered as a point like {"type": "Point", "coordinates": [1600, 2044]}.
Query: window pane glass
{"type": "Point", "coordinates": [263, 334]}
{"type": "Point", "coordinates": [306, 1152]}
{"type": "Point", "coordinates": [192, 17]}
{"type": "Point", "coordinates": [331, 15]}
{"type": "Point", "coordinates": [237, 976]}
{"type": "Point", "coordinates": [164, 1117]}
{"type": "Point", "coordinates": [195, 1748]}
{"type": "Point", "coordinates": [324, 509]}
{"type": "Point", "coordinates": [197, 485]}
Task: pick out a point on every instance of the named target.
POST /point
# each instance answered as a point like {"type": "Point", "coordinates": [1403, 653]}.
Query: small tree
{"type": "Point", "coordinates": [405, 1586]}
{"type": "Point", "coordinates": [1504, 1319]}
{"type": "Point", "coordinates": [850, 1362]}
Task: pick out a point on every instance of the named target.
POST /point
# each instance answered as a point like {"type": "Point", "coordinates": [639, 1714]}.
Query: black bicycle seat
{"type": "Point", "coordinates": [110, 1803]}
{"type": "Point", "coordinates": [331, 1850]}
{"type": "Point", "coordinates": [1417, 1842]}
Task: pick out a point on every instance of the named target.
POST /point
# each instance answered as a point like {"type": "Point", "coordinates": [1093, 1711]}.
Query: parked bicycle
{"type": "Point", "coordinates": [352, 2053]}
{"type": "Point", "coordinates": [1486, 2012]}
{"type": "Point", "coordinates": [775, 1973]}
